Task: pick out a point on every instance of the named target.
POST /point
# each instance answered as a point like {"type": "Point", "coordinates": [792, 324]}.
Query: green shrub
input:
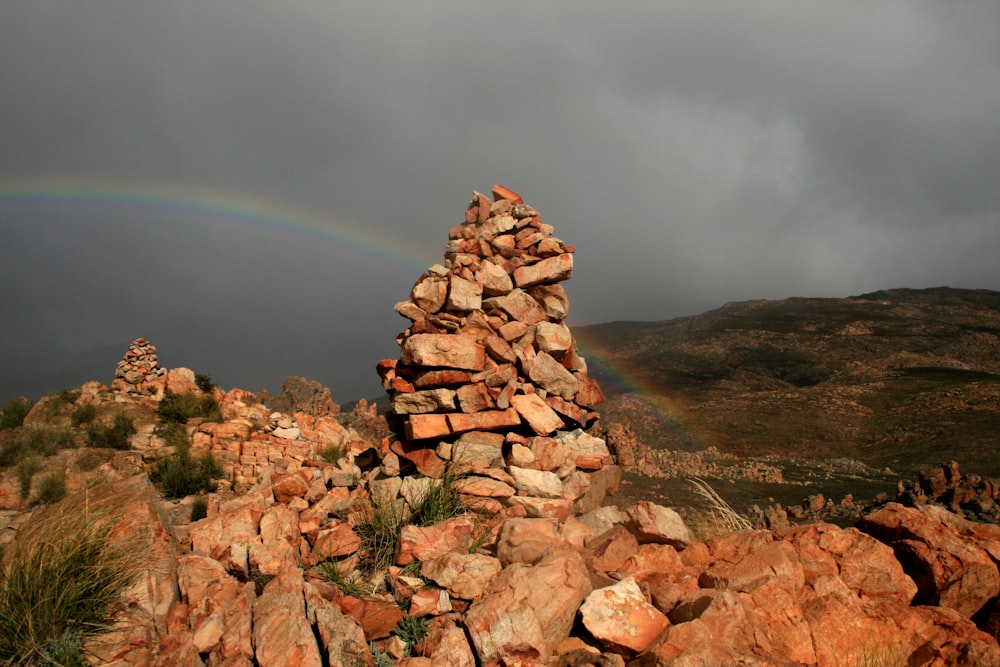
{"type": "Point", "coordinates": [13, 412]}
{"type": "Point", "coordinates": [35, 441]}
{"type": "Point", "coordinates": [51, 488]}
{"type": "Point", "coordinates": [26, 469]}
{"type": "Point", "coordinates": [204, 382]}
{"type": "Point", "coordinates": [83, 414]}
{"type": "Point", "coordinates": [179, 408]}
{"type": "Point", "coordinates": [174, 435]}
{"type": "Point", "coordinates": [63, 583]}
{"type": "Point", "coordinates": [115, 436]}
{"type": "Point", "coordinates": [199, 508]}
{"type": "Point", "coordinates": [180, 475]}
{"type": "Point", "coordinates": [69, 396]}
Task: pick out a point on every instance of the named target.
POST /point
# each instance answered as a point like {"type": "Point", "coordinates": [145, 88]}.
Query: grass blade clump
{"type": "Point", "coordinates": [723, 517]}
{"type": "Point", "coordinates": [64, 583]}
{"type": "Point", "coordinates": [441, 501]}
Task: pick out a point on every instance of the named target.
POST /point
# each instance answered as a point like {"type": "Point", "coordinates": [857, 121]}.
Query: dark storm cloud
{"type": "Point", "coordinates": [695, 153]}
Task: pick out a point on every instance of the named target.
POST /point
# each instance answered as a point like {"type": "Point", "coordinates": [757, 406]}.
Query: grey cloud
{"type": "Point", "coordinates": [695, 153]}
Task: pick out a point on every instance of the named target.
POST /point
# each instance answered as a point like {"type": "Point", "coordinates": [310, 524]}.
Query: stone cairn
{"type": "Point", "coordinates": [489, 378]}
{"type": "Point", "coordinates": [139, 372]}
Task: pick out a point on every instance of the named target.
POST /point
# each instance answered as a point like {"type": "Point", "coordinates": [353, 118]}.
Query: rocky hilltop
{"type": "Point", "coordinates": [476, 525]}
{"type": "Point", "coordinates": [891, 380]}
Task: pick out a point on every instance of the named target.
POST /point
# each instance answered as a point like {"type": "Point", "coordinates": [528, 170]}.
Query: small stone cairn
{"type": "Point", "coordinates": [139, 372]}
{"type": "Point", "coordinates": [489, 378]}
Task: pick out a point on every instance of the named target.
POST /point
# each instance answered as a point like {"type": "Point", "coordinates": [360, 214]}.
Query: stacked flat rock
{"type": "Point", "coordinates": [138, 369]}
{"type": "Point", "coordinates": [487, 349]}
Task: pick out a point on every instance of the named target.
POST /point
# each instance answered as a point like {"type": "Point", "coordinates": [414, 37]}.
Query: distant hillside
{"type": "Point", "coordinates": [894, 378]}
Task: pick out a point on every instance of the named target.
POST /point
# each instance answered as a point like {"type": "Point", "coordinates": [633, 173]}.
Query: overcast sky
{"type": "Point", "coordinates": [252, 185]}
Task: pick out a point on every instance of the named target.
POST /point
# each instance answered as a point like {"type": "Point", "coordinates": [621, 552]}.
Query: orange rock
{"type": "Point", "coordinates": [443, 350]}
{"type": "Point", "coordinates": [620, 617]}
{"type": "Point", "coordinates": [950, 570]}
{"type": "Point", "coordinates": [464, 575]}
{"type": "Point", "coordinates": [501, 192]}
{"type": "Point", "coordinates": [536, 412]}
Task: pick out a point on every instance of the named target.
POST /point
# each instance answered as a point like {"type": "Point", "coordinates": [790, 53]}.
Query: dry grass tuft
{"type": "Point", "coordinates": [717, 517]}
{"type": "Point", "coordinates": [63, 583]}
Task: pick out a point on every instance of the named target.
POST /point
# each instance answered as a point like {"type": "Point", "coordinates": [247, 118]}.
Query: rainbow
{"type": "Point", "coordinates": [670, 412]}
{"type": "Point", "coordinates": [182, 203]}
{"type": "Point", "coordinates": [191, 204]}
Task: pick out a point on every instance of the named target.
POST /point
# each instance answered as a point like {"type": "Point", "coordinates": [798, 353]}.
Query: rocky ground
{"type": "Point", "coordinates": [550, 581]}
{"type": "Point", "coordinates": [491, 519]}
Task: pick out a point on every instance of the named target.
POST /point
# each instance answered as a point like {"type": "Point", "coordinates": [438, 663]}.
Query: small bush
{"type": "Point", "coordinates": [63, 583]}
{"type": "Point", "coordinates": [180, 475]}
{"type": "Point", "coordinates": [52, 407]}
{"type": "Point", "coordinates": [179, 408]}
{"type": "Point", "coordinates": [204, 382]}
{"type": "Point", "coordinates": [83, 414]}
{"type": "Point", "coordinates": [174, 435]}
{"type": "Point", "coordinates": [51, 488]}
{"type": "Point", "coordinates": [26, 469]}
{"type": "Point", "coordinates": [36, 441]}
{"type": "Point", "coordinates": [199, 508]}
{"type": "Point", "coordinates": [115, 436]}
{"type": "Point", "coordinates": [13, 412]}
{"type": "Point", "coordinates": [69, 396]}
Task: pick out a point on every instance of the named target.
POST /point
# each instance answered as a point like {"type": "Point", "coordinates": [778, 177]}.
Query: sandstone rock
{"type": "Point", "coordinates": [343, 641]}
{"type": "Point", "coordinates": [281, 633]}
{"type": "Point", "coordinates": [536, 412]}
{"type": "Point", "coordinates": [609, 551]}
{"type": "Point", "coordinates": [288, 487]}
{"type": "Point", "coordinates": [551, 270]}
{"type": "Point", "coordinates": [277, 548]}
{"type": "Point", "coordinates": [443, 350]}
{"type": "Point", "coordinates": [464, 295]}
{"type": "Point", "coordinates": [447, 645]}
{"type": "Point", "coordinates": [948, 570]}
{"type": "Point", "coordinates": [376, 617]}
{"type": "Point", "coordinates": [338, 539]}
{"type": "Point", "coordinates": [865, 565]}
{"type": "Point", "coordinates": [464, 575]}
{"type": "Point", "coordinates": [540, 508]}
{"type": "Point", "coordinates": [536, 483]}
{"type": "Point", "coordinates": [620, 616]}
{"type": "Point", "coordinates": [484, 487]}
{"type": "Point", "coordinates": [429, 293]}
{"type": "Point", "coordinates": [519, 305]}
{"type": "Point", "coordinates": [548, 373]}
{"type": "Point", "coordinates": [654, 523]}
{"type": "Point", "coordinates": [430, 542]}
{"type": "Point", "coordinates": [527, 540]}
{"type": "Point", "coordinates": [528, 610]}
{"type": "Point", "coordinates": [427, 400]}
{"type": "Point", "coordinates": [429, 602]}
{"type": "Point", "coordinates": [494, 279]}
